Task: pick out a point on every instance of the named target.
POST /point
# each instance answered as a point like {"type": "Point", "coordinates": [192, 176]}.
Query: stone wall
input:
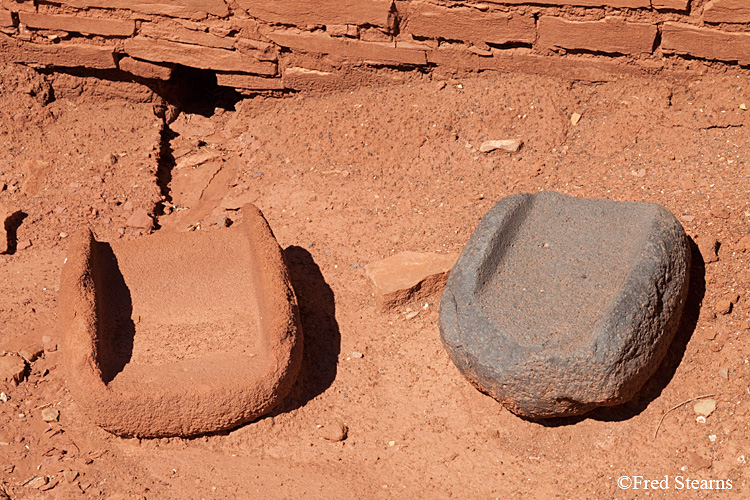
{"type": "Point", "coordinates": [293, 44]}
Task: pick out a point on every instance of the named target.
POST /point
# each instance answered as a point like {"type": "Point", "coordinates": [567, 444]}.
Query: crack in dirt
{"type": "Point", "coordinates": [166, 163]}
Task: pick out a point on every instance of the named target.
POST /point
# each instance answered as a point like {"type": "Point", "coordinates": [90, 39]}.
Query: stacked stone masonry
{"type": "Point", "coordinates": [256, 45]}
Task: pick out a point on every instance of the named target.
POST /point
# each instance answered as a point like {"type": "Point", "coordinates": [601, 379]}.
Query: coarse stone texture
{"type": "Point", "coordinates": [670, 4]}
{"type": "Point", "coordinates": [145, 69]}
{"type": "Point", "coordinates": [611, 35]}
{"type": "Point", "coordinates": [301, 13]}
{"type": "Point", "coordinates": [12, 370]}
{"type": "Point", "coordinates": [141, 219]}
{"type": "Point", "coordinates": [409, 276]}
{"type": "Point", "coordinates": [78, 24]}
{"type": "Point", "coordinates": [352, 50]}
{"type": "Point", "coordinates": [196, 56]}
{"type": "Point", "coordinates": [558, 305]}
{"type": "Point", "coordinates": [181, 333]}
{"type": "Point", "coordinates": [74, 55]}
{"type": "Point", "coordinates": [6, 19]}
{"type": "Point", "coordinates": [705, 43]}
{"type": "Point", "coordinates": [250, 82]}
{"type": "Point", "coordinates": [727, 11]}
{"type": "Point", "coordinates": [623, 4]}
{"type": "Point", "coordinates": [470, 25]}
{"type": "Point", "coordinates": [174, 32]}
{"type": "Point", "coordinates": [308, 79]}
{"type": "Point", "coordinates": [191, 9]}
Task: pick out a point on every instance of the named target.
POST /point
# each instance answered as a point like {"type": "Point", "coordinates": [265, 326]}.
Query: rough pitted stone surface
{"type": "Point", "coordinates": [194, 9]}
{"type": "Point", "coordinates": [409, 276]}
{"type": "Point", "coordinates": [611, 35]}
{"type": "Point", "coordinates": [705, 43]}
{"type": "Point", "coordinates": [178, 334]}
{"type": "Point", "coordinates": [78, 24]}
{"type": "Point", "coordinates": [470, 24]}
{"type": "Point", "coordinates": [558, 305]}
{"type": "Point", "coordinates": [727, 11]}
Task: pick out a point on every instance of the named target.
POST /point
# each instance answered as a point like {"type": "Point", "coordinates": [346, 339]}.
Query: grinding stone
{"type": "Point", "coordinates": [178, 334]}
{"type": "Point", "coordinates": [558, 304]}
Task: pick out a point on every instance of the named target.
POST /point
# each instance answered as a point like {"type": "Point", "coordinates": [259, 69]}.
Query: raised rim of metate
{"type": "Point", "coordinates": [626, 340]}
{"type": "Point", "coordinates": [187, 397]}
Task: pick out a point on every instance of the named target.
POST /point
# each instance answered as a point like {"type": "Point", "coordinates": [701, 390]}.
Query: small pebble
{"type": "Point", "coordinates": [50, 414]}
{"type": "Point", "coordinates": [705, 407]}
{"type": "Point", "coordinates": [334, 432]}
{"type": "Point", "coordinates": [708, 247]}
{"type": "Point", "coordinates": [723, 306]}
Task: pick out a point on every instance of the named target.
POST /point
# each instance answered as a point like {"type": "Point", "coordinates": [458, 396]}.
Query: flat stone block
{"type": "Point", "coordinates": [558, 305]}
{"type": "Point", "coordinates": [178, 334]}
{"type": "Point", "coordinates": [409, 276]}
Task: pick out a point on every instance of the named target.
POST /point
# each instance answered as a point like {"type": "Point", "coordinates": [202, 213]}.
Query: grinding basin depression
{"type": "Point", "coordinates": [559, 304]}
{"type": "Point", "coordinates": [178, 334]}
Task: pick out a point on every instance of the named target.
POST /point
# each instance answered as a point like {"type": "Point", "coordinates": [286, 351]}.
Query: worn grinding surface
{"type": "Point", "coordinates": [558, 304]}
{"type": "Point", "coordinates": [177, 334]}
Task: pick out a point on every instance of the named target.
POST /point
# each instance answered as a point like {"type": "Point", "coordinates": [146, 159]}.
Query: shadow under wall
{"type": "Point", "coordinates": [676, 351]}
{"type": "Point", "coordinates": [320, 330]}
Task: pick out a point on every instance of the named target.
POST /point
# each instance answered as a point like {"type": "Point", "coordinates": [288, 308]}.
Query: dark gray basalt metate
{"type": "Point", "coordinates": [558, 305]}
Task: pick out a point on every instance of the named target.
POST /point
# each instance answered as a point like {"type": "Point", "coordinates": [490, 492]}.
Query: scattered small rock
{"type": "Point", "coordinates": [334, 432]}
{"type": "Point", "coordinates": [221, 221]}
{"type": "Point", "coordinates": [110, 159]}
{"type": "Point", "coordinates": [720, 213]}
{"type": "Point", "coordinates": [357, 355]}
{"type": "Point", "coordinates": [196, 159]}
{"type": "Point", "coordinates": [509, 145]}
{"type": "Point", "coordinates": [49, 344]}
{"type": "Point", "coordinates": [697, 462]}
{"type": "Point", "coordinates": [708, 247]}
{"type": "Point", "coordinates": [12, 369]}
{"type": "Point", "coordinates": [411, 314]}
{"type": "Point", "coordinates": [724, 373]}
{"type": "Point", "coordinates": [50, 414]}
{"type": "Point", "coordinates": [37, 482]}
{"type": "Point", "coordinates": [70, 475]}
{"type": "Point", "coordinates": [575, 118]}
{"type": "Point", "coordinates": [409, 276]}
{"type": "Point", "coordinates": [705, 407]}
{"type": "Point", "coordinates": [723, 306]}
{"type": "Point", "coordinates": [744, 244]}
{"type": "Point", "coordinates": [140, 220]}
{"type": "Point", "coordinates": [23, 244]}
{"type": "Point", "coordinates": [31, 352]}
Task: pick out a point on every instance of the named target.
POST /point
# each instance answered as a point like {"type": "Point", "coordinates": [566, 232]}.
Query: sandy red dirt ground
{"type": "Point", "coordinates": [345, 179]}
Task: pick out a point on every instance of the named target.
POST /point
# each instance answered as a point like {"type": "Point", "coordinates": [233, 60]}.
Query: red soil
{"type": "Point", "coordinates": [346, 179]}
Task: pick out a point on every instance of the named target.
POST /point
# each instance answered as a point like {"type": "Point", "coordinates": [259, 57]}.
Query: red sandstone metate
{"type": "Point", "coordinates": [178, 334]}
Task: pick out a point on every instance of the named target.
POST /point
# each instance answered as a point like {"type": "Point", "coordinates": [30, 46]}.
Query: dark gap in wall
{"type": "Point", "coordinates": [195, 91]}
{"type": "Point", "coordinates": [594, 52]}
{"type": "Point", "coordinates": [510, 45]}
{"type": "Point", "coordinates": [657, 40]}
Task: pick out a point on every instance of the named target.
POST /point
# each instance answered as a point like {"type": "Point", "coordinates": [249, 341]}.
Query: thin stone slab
{"type": "Point", "coordinates": [558, 304]}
